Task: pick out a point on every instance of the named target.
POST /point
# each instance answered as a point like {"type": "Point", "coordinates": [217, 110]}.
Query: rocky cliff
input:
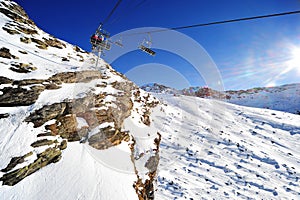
{"type": "Point", "coordinates": [52, 94]}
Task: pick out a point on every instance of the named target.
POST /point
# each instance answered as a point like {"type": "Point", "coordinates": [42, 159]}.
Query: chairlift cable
{"type": "Point", "coordinates": [237, 20]}
{"type": "Point", "coordinates": [218, 22]}
{"type": "Point", "coordinates": [128, 11]}
{"type": "Point", "coordinates": [112, 11]}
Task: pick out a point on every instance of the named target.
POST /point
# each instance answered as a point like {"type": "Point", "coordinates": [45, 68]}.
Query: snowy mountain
{"type": "Point", "coordinates": [158, 88]}
{"type": "Point", "coordinates": [72, 130]}
{"type": "Point", "coordinates": [69, 129]}
{"type": "Point", "coordinates": [283, 98]}
{"type": "Point", "coordinates": [216, 150]}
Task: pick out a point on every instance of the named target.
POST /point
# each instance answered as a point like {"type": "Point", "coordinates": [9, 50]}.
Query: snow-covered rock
{"type": "Point", "coordinates": [62, 120]}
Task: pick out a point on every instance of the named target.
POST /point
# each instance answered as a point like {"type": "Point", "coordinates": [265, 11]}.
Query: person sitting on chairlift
{"type": "Point", "coordinates": [97, 39]}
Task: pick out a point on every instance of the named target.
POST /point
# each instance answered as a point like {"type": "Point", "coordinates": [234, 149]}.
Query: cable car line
{"type": "Point", "coordinates": [237, 20]}
{"type": "Point", "coordinates": [148, 50]}
{"type": "Point", "coordinates": [100, 40]}
{"type": "Point", "coordinates": [112, 11]}
{"type": "Point", "coordinates": [219, 22]}
{"type": "Point", "coordinates": [129, 11]}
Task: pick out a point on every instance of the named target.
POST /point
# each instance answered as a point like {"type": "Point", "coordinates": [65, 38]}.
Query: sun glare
{"type": "Point", "coordinates": [294, 62]}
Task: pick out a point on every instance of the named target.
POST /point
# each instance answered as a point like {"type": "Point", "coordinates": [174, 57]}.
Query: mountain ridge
{"type": "Point", "coordinates": [284, 98]}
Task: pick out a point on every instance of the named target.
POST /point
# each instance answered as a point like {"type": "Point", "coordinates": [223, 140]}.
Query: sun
{"type": "Point", "coordinates": [294, 61]}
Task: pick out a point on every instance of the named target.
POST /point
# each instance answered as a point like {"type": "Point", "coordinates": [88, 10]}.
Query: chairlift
{"type": "Point", "coordinates": [119, 42]}
{"type": "Point", "coordinates": [99, 40]}
{"type": "Point", "coordinates": [145, 46]}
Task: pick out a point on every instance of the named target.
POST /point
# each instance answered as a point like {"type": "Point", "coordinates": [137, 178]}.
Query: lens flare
{"type": "Point", "coordinates": [294, 62]}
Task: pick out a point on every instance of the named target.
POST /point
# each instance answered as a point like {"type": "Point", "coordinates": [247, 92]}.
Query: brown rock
{"type": "Point", "coordinates": [48, 112]}
{"type": "Point", "coordinates": [50, 155]}
{"type": "Point", "coordinates": [25, 40]}
{"type": "Point", "coordinates": [43, 142]}
{"type": "Point", "coordinates": [54, 43]}
{"type": "Point", "coordinates": [18, 97]}
{"type": "Point", "coordinates": [67, 127]}
{"type": "Point", "coordinates": [15, 161]}
{"type": "Point", "coordinates": [63, 145]}
{"type": "Point", "coordinates": [22, 67]}
{"type": "Point", "coordinates": [4, 53]}
{"type": "Point", "coordinates": [4, 80]}
{"type": "Point", "coordinates": [28, 82]}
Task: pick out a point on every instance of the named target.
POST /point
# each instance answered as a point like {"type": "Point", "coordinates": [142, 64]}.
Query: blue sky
{"type": "Point", "coordinates": [247, 54]}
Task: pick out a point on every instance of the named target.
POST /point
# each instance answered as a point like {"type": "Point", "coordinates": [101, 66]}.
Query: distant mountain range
{"type": "Point", "coordinates": [283, 98]}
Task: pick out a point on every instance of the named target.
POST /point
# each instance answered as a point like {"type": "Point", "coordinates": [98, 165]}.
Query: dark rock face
{"type": "Point", "coordinates": [16, 13]}
{"type": "Point", "coordinates": [15, 161]}
{"type": "Point", "coordinates": [145, 189]}
{"type": "Point", "coordinates": [22, 68]}
{"type": "Point", "coordinates": [28, 82]}
{"type": "Point", "coordinates": [43, 142]}
{"type": "Point", "coordinates": [48, 112]}
{"type": "Point", "coordinates": [4, 80]}
{"type": "Point", "coordinates": [75, 77]}
{"type": "Point", "coordinates": [40, 44]}
{"type": "Point", "coordinates": [108, 137]}
{"type": "Point", "coordinates": [50, 155]}
{"type": "Point", "coordinates": [5, 115]}
{"type": "Point", "coordinates": [5, 53]}
{"type": "Point", "coordinates": [26, 40]}
{"type": "Point", "coordinates": [66, 127]}
{"type": "Point", "coordinates": [18, 96]}
{"type": "Point", "coordinates": [54, 43]}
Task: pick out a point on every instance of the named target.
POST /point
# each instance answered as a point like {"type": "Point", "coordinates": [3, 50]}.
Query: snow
{"type": "Point", "coordinates": [284, 98]}
{"type": "Point", "coordinates": [81, 122]}
{"type": "Point", "coordinates": [77, 176]}
{"type": "Point", "coordinates": [212, 149]}
{"type": "Point", "coordinates": [209, 150]}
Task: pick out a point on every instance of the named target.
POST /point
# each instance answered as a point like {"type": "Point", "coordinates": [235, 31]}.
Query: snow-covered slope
{"type": "Point", "coordinates": [215, 150]}
{"type": "Point", "coordinates": [158, 88]}
{"type": "Point", "coordinates": [283, 98]}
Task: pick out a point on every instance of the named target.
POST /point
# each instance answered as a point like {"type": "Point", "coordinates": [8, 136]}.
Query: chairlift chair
{"type": "Point", "coordinates": [145, 46]}
{"type": "Point", "coordinates": [99, 40]}
{"type": "Point", "coordinates": [119, 42]}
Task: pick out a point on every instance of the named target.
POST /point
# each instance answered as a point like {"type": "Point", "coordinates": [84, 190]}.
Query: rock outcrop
{"type": "Point", "coordinates": [5, 53]}
{"type": "Point", "coordinates": [95, 114]}
{"type": "Point", "coordinates": [18, 96]}
{"type": "Point", "coordinates": [50, 155]}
